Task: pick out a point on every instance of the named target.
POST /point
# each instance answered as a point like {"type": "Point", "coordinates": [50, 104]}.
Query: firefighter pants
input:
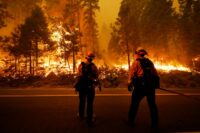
{"type": "Point", "coordinates": [137, 95]}
{"type": "Point", "coordinates": [86, 97]}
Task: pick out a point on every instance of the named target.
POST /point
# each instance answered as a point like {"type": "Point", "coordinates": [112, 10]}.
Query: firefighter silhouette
{"type": "Point", "coordinates": [144, 77]}
{"type": "Point", "coordinates": [88, 79]}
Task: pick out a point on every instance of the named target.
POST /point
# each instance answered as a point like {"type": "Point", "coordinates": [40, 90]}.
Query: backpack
{"type": "Point", "coordinates": [86, 79]}
{"type": "Point", "coordinates": [149, 80]}
{"type": "Point", "coordinates": [87, 72]}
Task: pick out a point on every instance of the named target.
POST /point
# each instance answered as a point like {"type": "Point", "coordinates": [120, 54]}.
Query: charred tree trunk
{"type": "Point", "coordinates": [15, 64]}
{"type": "Point", "coordinates": [128, 52]}
{"type": "Point", "coordinates": [68, 62]}
{"type": "Point", "coordinates": [33, 65]}
{"type": "Point", "coordinates": [30, 64]}
{"type": "Point", "coordinates": [26, 64]}
{"type": "Point", "coordinates": [36, 53]}
{"type": "Point", "coordinates": [74, 60]}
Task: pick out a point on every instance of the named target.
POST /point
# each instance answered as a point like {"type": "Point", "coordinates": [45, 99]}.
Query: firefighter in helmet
{"type": "Point", "coordinates": [144, 77]}
{"type": "Point", "coordinates": [88, 79]}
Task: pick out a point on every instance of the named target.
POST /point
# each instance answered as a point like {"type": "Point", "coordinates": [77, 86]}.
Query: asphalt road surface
{"type": "Point", "coordinates": [55, 111]}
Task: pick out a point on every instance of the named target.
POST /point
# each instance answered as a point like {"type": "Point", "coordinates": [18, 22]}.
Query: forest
{"type": "Point", "coordinates": [168, 32]}
{"type": "Point", "coordinates": [51, 37]}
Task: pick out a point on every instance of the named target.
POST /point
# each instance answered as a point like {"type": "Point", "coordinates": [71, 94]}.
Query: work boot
{"type": "Point", "coordinates": [80, 117]}
{"type": "Point", "coordinates": [91, 121]}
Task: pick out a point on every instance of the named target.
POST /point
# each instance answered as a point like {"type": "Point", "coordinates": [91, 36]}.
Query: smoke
{"type": "Point", "coordinates": [104, 37]}
{"type": "Point", "coordinates": [55, 7]}
{"type": "Point", "coordinates": [21, 9]}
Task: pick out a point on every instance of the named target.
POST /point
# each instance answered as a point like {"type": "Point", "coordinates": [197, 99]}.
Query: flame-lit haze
{"type": "Point", "coordinates": [107, 15]}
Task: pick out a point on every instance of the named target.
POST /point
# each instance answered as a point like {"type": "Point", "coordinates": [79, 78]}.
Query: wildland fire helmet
{"type": "Point", "coordinates": [90, 55]}
{"type": "Point", "coordinates": [141, 51]}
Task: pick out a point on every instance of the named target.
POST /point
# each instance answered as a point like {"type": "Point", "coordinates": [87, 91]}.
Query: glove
{"type": "Point", "coordinates": [130, 87]}
{"type": "Point", "coordinates": [99, 87]}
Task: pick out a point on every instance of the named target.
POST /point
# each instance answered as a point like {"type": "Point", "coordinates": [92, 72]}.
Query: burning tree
{"type": "Point", "coordinates": [67, 43]}
{"type": "Point", "coordinates": [11, 45]}
{"type": "Point", "coordinates": [72, 18]}
{"type": "Point", "coordinates": [41, 33]}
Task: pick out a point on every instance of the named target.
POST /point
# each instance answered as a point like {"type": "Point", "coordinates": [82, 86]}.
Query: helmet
{"type": "Point", "coordinates": [141, 51]}
{"type": "Point", "coordinates": [90, 55]}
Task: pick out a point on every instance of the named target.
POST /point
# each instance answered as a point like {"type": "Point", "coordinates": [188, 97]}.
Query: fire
{"type": "Point", "coordinates": [56, 36]}
{"type": "Point", "coordinates": [161, 66]}
{"type": "Point", "coordinates": [2, 65]}
{"type": "Point", "coordinates": [123, 66]}
{"type": "Point", "coordinates": [56, 62]}
{"type": "Point", "coordinates": [57, 66]}
{"type": "Point", "coordinates": [170, 67]}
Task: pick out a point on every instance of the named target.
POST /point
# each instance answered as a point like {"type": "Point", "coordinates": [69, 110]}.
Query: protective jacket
{"type": "Point", "coordinates": [87, 76]}
{"type": "Point", "coordinates": [143, 74]}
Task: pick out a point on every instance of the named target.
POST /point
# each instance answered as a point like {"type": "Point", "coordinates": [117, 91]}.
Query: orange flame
{"type": "Point", "coordinates": [171, 67]}
{"type": "Point", "coordinates": [54, 61]}
{"type": "Point", "coordinates": [161, 66]}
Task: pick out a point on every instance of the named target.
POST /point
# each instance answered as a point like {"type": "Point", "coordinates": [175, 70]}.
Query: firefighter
{"type": "Point", "coordinates": [144, 77]}
{"type": "Point", "coordinates": [88, 79]}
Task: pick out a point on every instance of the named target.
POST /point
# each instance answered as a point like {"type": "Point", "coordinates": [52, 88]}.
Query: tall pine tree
{"type": "Point", "coordinates": [34, 31]}
{"type": "Point", "coordinates": [91, 28]}
{"type": "Point", "coordinates": [156, 23]}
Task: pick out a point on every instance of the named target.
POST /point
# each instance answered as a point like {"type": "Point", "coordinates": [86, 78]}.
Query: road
{"type": "Point", "coordinates": [54, 111]}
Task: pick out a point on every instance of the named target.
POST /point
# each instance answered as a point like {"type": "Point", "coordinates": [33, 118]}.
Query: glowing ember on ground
{"type": "Point", "coordinates": [162, 67]}
{"type": "Point", "coordinates": [171, 67]}
{"type": "Point", "coordinates": [123, 66]}
{"type": "Point", "coordinates": [58, 67]}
